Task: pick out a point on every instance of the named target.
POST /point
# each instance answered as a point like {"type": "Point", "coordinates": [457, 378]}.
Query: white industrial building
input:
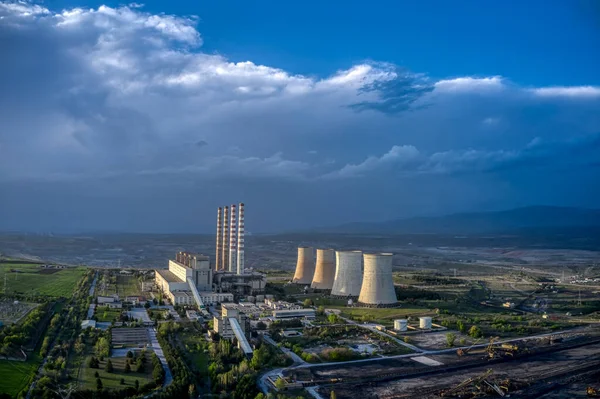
{"type": "Point", "coordinates": [233, 324]}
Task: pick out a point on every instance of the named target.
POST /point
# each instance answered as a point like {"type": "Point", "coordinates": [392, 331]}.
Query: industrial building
{"type": "Point", "coordinates": [348, 274]}
{"type": "Point", "coordinates": [378, 285]}
{"type": "Point", "coordinates": [186, 274]}
{"type": "Point", "coordinates": [233, 324]}
{"type": "Point", "coordinates": [293, 314]}
{"type": "Point", "coordinates": [324, 270]}
{"type": "Point", "coordinates": [305, 267]}
{"type": "Point", "coordinates": [191, 279]}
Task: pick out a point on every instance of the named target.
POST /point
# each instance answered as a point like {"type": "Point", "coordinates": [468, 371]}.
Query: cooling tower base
{"type": "Point", "coordinates": [353, 297]}
{"type": "Point", "coordinates": [381, 305]}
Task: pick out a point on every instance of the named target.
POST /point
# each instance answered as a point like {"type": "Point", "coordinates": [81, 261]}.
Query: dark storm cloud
{"type": "Point", "coordinates": [105, 109]}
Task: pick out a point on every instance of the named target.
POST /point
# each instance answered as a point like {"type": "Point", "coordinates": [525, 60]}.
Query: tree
{"type": "Point", "coordinates": [450, 338]}
{"type": "Point", "coordinates": [147, 305]}
{"type": "Point", "coordinates": [261, 325]}
{"type": "Point", "coordinates": [127, 368]}
{"type": "Point", "coordinates": [475, 332]}
{"type": "Point", "coordinates": [96, 374]}
{"type": "Point", "coordinates": [137, 385]}
{"type": "Point", "coordinates": [333, 319]}
{"type": "Point", "coordinates": [461, 326]}
{"type": "Point", "coordinates": [333, 395]}
{"type": "Point", "coordinates": [129, 354]}
{"type": "Point", "coordinates": [93, 363]}
{"type": "Point", "coordinates": [98, 384]}
{"type": "Point", "coordinates": [192, 391]}
{"type": "Point", "coordinates": [122, 381]}
{"type": "Point", "coordinates": [308, 302]}
{"type": "Point", "coordinates": [280, 384]}
{"type": "Point", "coordinates": [109, 367]}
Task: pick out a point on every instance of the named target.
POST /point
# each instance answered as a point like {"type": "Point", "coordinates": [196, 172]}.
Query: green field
{"type": "Point", "coordinates": [32, 279]}
{"type": "Point", "coordinates": [112, 380]}
{"type": "Point", "coordinates": [104, 314]}
{"type": "Point", "coordinates": [127, 286]}
{"type": "Point", "coordinates": [16, 375]}
{"type": "Point", "coordinates": [385, 316]}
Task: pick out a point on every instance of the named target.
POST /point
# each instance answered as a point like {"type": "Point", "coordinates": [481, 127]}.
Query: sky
{"type": "Point", "coordinates": [147, 117]}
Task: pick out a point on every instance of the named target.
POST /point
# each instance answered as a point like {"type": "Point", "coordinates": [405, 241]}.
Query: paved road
{"type": "Point", "coordinates": [161, 355]}
{"type": "Point", "coordinates": [90, 312]}
{"type": "Point", "coordinates": [93, 286]}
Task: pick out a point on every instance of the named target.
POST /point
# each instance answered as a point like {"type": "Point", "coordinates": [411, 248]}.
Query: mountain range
{"type": "Point", "coordinates": [537, 218]}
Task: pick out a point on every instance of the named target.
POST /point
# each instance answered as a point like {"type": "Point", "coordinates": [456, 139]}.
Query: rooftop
{"type": "Point", "coordinates": [169, 276]}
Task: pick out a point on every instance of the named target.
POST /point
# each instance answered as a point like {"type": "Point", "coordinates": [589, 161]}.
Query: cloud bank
{"type": "Point", "coordinates": [118, 96]}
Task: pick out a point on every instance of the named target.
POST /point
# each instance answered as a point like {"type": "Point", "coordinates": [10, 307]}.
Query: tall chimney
{"type": "Point", "coordinates": [219, 238]}
{"type": "Point", "coordinates": [232, 240]}
{"type": "Point", "coordinates": [240, 241]}
{"type": "Point", "coordinates": [225, 243]}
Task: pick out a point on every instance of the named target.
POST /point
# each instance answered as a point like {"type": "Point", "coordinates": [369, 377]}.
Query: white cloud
{"type": "Point", "coordinates": [470, 84]}
{"type": "Point", "coordinates": [122, 92]}
{"type": "Point", "coordinates": [568, 91]}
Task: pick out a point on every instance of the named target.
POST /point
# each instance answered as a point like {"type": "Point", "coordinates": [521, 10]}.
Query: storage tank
{"type": "Point", "coordinates": [401, 325]}
{"type": "Point", "coordinates": [348, 274]}
{"type": "Point", "coordinates": [305, 267]}
{"type": "Point", "coordinates": [378, 286]}
{"type": "Point", "coordinates": [324, 270]}
{"type": "Point", "coordinates": [425, 323]}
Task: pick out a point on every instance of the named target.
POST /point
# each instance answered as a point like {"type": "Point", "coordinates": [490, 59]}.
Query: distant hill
{"type": "Point", "coordinates": [519, 219]}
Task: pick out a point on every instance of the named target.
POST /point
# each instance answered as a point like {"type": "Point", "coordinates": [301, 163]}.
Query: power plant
{"type": "Point", "coordinates": [377, 285]}
{"type": "Point", "coordinates": [348, 274]}
{"type": "Point", "coordinates": [325, 270]}
{"type": "Point", "coordinates": [305, 267]}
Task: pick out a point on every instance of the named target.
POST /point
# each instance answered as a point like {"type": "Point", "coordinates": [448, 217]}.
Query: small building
{"type": "Point", "coordinates": [115, 305]}
{"type": "Point", "coordinates": [88, 324]}
{"type": "Point", "coordinates": [107, 299]}
{"type": "Point", "coordinates": [193, 315]}
{"type": "Point", "coordinates": [293, 314]}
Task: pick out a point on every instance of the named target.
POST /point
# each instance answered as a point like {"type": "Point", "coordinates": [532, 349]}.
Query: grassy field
{"type": "Point", "coordinates": [16, 375]}
{"type": "Point", "coordinates": [104, 314]}
{"type": "Point", "coordinates": [87, 380]}
{"type": "Point", "coordinates": [385, 316]}
{"type": "Point", "coordinates": [194, 345]}
{"type": "Point", "coordinates": [127, 286]}
{"type": "Point", "coordinates": [32, 279]}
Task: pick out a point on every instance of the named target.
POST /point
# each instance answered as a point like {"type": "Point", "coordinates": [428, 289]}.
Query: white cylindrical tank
{"type": "Point", "coordinates": [348, 274]}
{"type": "Point", "coordinates": [378, 286]}
{"type": "Point", "coordinates": [401, 325]}
{"type": "Point", "coordinates": [324, 270]}
{"type": "Point", "coordinates": [305, 267]}
{"type": "Point", "coordinates": [425, 323]}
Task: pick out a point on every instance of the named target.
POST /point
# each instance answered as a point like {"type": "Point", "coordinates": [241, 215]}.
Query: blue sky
{"type": "Point", "coordinates": [134, 117]}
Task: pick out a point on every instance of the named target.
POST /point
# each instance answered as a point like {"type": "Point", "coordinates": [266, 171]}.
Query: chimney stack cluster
{"type": "Point", "coordinates": [230, 239]}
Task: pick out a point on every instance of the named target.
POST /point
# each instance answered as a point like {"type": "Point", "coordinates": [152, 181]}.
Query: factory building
{"type": "Point", "coordinates": [324, 270]}
{"type": "Point", "coordinates": [305, 266]}
{"type": "Point", "coordinates": [191, 279]}
{"type": "Point", "coordinates": [348, 274]}
{"type": "Point", "coordinates": [185, 270]}
{"type": "Point", "coordinates": [378, 285]}
{"type": "Point", "coordinates": [233, 324]}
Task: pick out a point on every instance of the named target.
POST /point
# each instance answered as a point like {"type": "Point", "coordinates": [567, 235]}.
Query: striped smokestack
{"type": "Point", "coordinates": [240, 242]}
{"type": "Point", "coordinates": [232, 240]}
{"type": "Point", "coordinates": [219, 238]}
{"type": "Point", "coordinates": [225, 241]}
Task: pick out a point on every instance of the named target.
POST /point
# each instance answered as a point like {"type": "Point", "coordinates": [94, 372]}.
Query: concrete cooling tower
{"type": "Point", "coordinates": [325, 270]}
{"type": "Point", "coordinates": [378, 285]}
{"type": "Point", "coordinates": [348, 274]}
{"type": "Point", "coordinates": [305, 268]}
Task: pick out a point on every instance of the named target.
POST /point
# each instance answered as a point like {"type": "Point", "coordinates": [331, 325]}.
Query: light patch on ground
{"type": "Point", "coordinates": [427, 361]}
